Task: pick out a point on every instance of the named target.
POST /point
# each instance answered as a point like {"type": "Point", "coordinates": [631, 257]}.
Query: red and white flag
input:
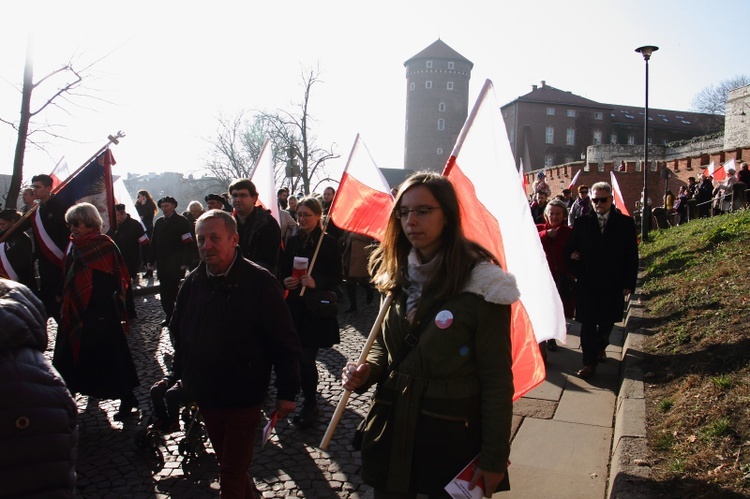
{"type": "Point", "coordinates": [495, 214]}
{"type": "Point", "coordinates": [263, 175]}
{"type": "Point", "coordinates": [719, 173]}
{"type": "Point", "coordinates": [122, 196]}
{"type": "Point", "coordinates": [575, 179]}
{"type": "Point", "coordinates": [363, 201]}
{"type": "Point", "coordinates": [60, 173]}
{"type": "Point", "coordinates": [617, 193]}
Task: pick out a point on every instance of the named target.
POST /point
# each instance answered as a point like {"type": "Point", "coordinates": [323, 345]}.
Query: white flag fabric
{"type": "Point", "coordinates": [496, 215]}
{"type": "Point", "coordinates": [263, 177]}
{"type": "Point", "coordinates": [575, 179]}
{"type": "Point", "coordinates": [617, 193]}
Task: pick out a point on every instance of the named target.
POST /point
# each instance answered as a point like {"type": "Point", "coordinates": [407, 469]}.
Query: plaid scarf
{"type": "Point", "coordinates": [94, 251]}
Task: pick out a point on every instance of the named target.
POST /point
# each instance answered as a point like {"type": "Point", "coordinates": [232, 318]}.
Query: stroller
{"type": "Point", "coordinates": [152, 437]}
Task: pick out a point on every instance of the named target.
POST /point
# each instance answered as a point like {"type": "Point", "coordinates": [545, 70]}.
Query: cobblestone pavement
{"type": "Point", "coordinates": [111, 463]}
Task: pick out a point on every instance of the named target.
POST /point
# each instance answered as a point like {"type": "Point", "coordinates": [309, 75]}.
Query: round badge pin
{"type": "Point", "coordinates": [444, 319]}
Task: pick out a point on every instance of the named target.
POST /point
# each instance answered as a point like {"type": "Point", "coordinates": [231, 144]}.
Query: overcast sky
{"type": "Point", "coordinates": [168, 69]}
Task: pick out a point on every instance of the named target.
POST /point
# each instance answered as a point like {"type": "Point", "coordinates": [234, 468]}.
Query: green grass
{"type": "Point", "coordinates": [665, 405]}
{"type": "Point", "coordinates": [722, 381]}
{"type": "Point", "coordinates": [716, 429]}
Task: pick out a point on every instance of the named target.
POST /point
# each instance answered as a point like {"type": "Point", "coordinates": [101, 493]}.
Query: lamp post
{"type": "Point", "coordinates": [646, 51]}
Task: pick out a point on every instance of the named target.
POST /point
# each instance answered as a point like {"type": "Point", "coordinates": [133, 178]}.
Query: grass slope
{"type": "Point", "coordinates": [697, 369]}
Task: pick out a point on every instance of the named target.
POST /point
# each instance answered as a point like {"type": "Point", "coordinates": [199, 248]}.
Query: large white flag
{"type": "Point", "coordinates": [263, 175]}
{"type": "Point", "coordinates": [495, 214]}
{"type": "Point", "coordinates": [617, 193]}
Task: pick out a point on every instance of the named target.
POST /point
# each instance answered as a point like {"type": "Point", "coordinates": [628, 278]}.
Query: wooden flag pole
{"type": "Point", "coordinates": [362, 357]}
{"type": "Point", "coordinates": [113, 139]}
{"type": "Point", "coordinates": [315, 255]}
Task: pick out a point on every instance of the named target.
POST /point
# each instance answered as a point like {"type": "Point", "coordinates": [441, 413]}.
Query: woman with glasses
{"type": "Point", "coordinates": [91, 352]}
{"type": "Point", "coordinates": [442, 360]}
{"type": "Point", "coordinates": [315, 331]}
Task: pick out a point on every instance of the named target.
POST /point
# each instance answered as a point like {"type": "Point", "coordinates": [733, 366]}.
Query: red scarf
{"type": "Point", "coordinates": [91, 252]}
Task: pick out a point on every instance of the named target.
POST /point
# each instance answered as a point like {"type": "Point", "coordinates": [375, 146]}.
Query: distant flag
{"type": "Point", "coordinates": [522, 174]}
{"type": "Point", "coordinates": [617, 193]}
{"type": "Point", "coordinates": [720, 173]}
{"type": "Point", "coordinates": [363, 201]}
{"type": "Point", "coordinates": [263, 177]}
{"type": "Point", "coordinates": [60, 173]}
{"type": "Point", "coordinates": [709, 171]}
{"type": "Point", "coordinates": [92, 184]}
{"type": "Point", "coordinates": [480, 166]}
{"type": "Point", "coordinates": [575, 179]}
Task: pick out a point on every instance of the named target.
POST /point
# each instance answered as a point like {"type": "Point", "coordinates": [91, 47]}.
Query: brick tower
{"type": "Point", "coordinates": [437, 103]}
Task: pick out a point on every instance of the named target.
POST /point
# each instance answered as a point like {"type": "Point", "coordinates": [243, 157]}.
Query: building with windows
{"type": "Point", "coordinates": [549, 126]}
{"type": "Point", "coordinates": [437, 103]}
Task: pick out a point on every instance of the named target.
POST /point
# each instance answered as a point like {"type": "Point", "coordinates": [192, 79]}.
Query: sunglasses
{"type": "Point", "coordinates": [599, 200]}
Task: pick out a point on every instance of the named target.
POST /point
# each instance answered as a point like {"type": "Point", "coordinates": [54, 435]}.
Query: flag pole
{"type": "Point", "coordinates": [362, 357]}
{"type": "Point", "coordinates": [112, 139]}
{"type": "Point", "coordinates": [328, 218]}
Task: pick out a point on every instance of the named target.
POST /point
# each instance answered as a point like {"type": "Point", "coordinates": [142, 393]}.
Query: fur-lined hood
{"type": "Point", "coordinates": [493, 284]}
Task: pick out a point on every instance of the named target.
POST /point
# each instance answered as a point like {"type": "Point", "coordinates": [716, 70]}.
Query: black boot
{"type": "Point", "coordinates": [307, 416]}
{"type": "Point", "coordinates": [127, 404]}
{"type": "Point", "coordinates": [351, 293]}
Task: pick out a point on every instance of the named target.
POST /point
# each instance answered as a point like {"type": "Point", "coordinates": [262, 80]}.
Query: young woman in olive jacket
{"type": "Point", "coordinates": [450, 398]}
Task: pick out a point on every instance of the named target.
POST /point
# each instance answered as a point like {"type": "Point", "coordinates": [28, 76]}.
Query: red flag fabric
{"type": "Point", "coordinates": [719, 173]}
{"type": "Point", "coordinates": [363, 201]}
{"type": "Point", "coordinates": [575, 179]}
{"type": "Point", "coordinates": [495, 214]}
{"type": "Point", "coordinates": [617, 193]}
{"type": "Point", "coordinates": [60, 173]}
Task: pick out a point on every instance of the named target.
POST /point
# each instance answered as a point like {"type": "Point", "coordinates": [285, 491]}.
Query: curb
{"type": "Point", "coordinates": [628, 465]}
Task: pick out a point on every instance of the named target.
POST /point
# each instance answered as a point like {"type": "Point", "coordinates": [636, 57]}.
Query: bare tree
{"type": "Point", "coordinates": [63, 81]}
{"type": "Point", "coordinates": [233, 153]}
{"type": "Point", "coordinates": [713, 99]}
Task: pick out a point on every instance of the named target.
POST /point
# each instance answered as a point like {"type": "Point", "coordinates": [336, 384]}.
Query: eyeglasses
{"type": "Point", "coordinates": [419, 212]}
{"type": "Point", "coordinates": [584, 192]}
{"type": "Point", "coordinates": [599, 200]}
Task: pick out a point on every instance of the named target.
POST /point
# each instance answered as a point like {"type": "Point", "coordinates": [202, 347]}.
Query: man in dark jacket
{"type": "Point", "coordinates": [39, 435]}
{"type": "Point", "coordinates": [603, 254]}
{"type": "Point", "coordinates": [130, 236]}
{"type": "Point", "coordinates": [259, 232]}
{"type": "Point", "coordinates": [170, 251]}
{"type": "Point", "coordinates": [231, 326]}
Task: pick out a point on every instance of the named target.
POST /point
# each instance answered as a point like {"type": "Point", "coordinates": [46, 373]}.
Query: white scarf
{"type": "Point", "coordinates": [418, 274]}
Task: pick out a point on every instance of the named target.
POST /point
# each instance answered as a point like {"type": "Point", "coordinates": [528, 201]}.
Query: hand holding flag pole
{"type": "Point", "coordinates": [362, 357]}
{"type": "Point", "coordinates": [112, 139]}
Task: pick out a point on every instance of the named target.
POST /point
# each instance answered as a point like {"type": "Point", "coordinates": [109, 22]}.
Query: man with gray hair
{"type": "Point", "coordinates": [231, 326]}
{"type": "Point", "coordinates": [603, 254]}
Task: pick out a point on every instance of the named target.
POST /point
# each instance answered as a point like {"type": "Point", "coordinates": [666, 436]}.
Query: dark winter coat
{"type": "Point", "coordinates": [38, 432]}
{"type": "Point", "coordinates": [260, 239]}
{"type": "Point", "coordinates": [608, 265]}
{"type": "Point", "coordinates": [327, 272]}
{"type": "Point", "coordinates": [228, 334]}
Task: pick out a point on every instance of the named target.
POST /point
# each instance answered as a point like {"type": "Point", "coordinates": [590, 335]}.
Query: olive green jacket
{"type": "Point", "coordinates": [451, 396]}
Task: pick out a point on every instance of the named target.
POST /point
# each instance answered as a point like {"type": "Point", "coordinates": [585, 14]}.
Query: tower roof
{"type": "Point", "coordinates": [439, 50]}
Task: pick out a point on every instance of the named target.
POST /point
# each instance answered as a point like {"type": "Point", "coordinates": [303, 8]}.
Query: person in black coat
{"type": "Point", "coordinates": [130, 237]}
{"type": "Point", "coordinates": [260, 234]}
{"type": "Point", "coordinates": [603, 254]}
{"type": "Point", "coordinates": [324, 273]}
{"type": "Point", "coordinates": [170, 252]}
{"type": "Point", "coordinates": [39, 435]}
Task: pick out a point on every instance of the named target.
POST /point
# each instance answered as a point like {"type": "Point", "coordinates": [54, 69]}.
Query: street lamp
{"type": "Point", "coordinates": [646, 51]}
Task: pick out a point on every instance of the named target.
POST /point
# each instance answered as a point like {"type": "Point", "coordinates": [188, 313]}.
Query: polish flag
{"type": "Point", "coordinates": [263, 175]}
{"type": "Point", "coordinates": [363, 201]}
{"type": "Point", "coordinates": [719, 173]}
{"type": "Point", "coordinates": [495, 214]}
{"type": "Point", "coordinates": [575, 179]}
{"type": "Point", "coordinates": [617, 193]}
{"type": "Point", "coordinates": [60, 173]}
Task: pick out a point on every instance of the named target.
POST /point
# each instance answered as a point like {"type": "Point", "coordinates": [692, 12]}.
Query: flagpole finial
{"type": "Point", "coordinates": [115, 138]}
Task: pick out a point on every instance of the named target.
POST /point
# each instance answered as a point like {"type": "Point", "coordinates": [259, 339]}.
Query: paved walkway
{"type": "Point", "coordinates": [561, 448]}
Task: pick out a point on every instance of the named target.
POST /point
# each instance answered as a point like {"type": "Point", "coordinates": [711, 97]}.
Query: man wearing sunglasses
{"type": "Point", "coordinates": [603, 253]}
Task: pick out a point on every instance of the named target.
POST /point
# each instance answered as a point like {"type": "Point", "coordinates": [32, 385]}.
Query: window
{"type": "Point", "coordinates": [598, 115]}
{"type": "Point", "coordinates": [548, 159]}
{"type": "Point", "coordinates": [412, 86]}
{"type": "Point", "coordinates": [440, 151]}
{"type": "Point", "coordinates": [597, 137]}
{"type": "Point", "coordinates": [451, 65]}
{"type": "Point", "coordinates": [428, 84]}
{"type": "Point", "coordinates": [600, 167]}
{"type": "Point", "coordinates": [428, 65]}
{"type": "Point", "coordinates": [571, 113]}
{"type": "Point", "coordinates": [450, 85]}
{"type": "Point", "coordinates": [570, 137]}
{"type": "Point", "coordinates": [549, 135]}
{"type": "Point", "coordinates": [441, 124]}
{"type": "Point", "coordinates": [550, 111]}
{"type": "Point", "coordinates": [653, 165]}
{"type": "Point", "coordinates": [631, 140]}
{"type": "Point", "coordinates": [441, 107]}
{"type": "Point", "coordinates": [638, 165]}
{"type": "Point", "coordinates": [613, 138]}
{"type": "Point", "coordinates": [649, 141]}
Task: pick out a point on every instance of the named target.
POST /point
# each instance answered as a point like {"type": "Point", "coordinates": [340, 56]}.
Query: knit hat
{"type": "Point", "coordinates": [167, 199]}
